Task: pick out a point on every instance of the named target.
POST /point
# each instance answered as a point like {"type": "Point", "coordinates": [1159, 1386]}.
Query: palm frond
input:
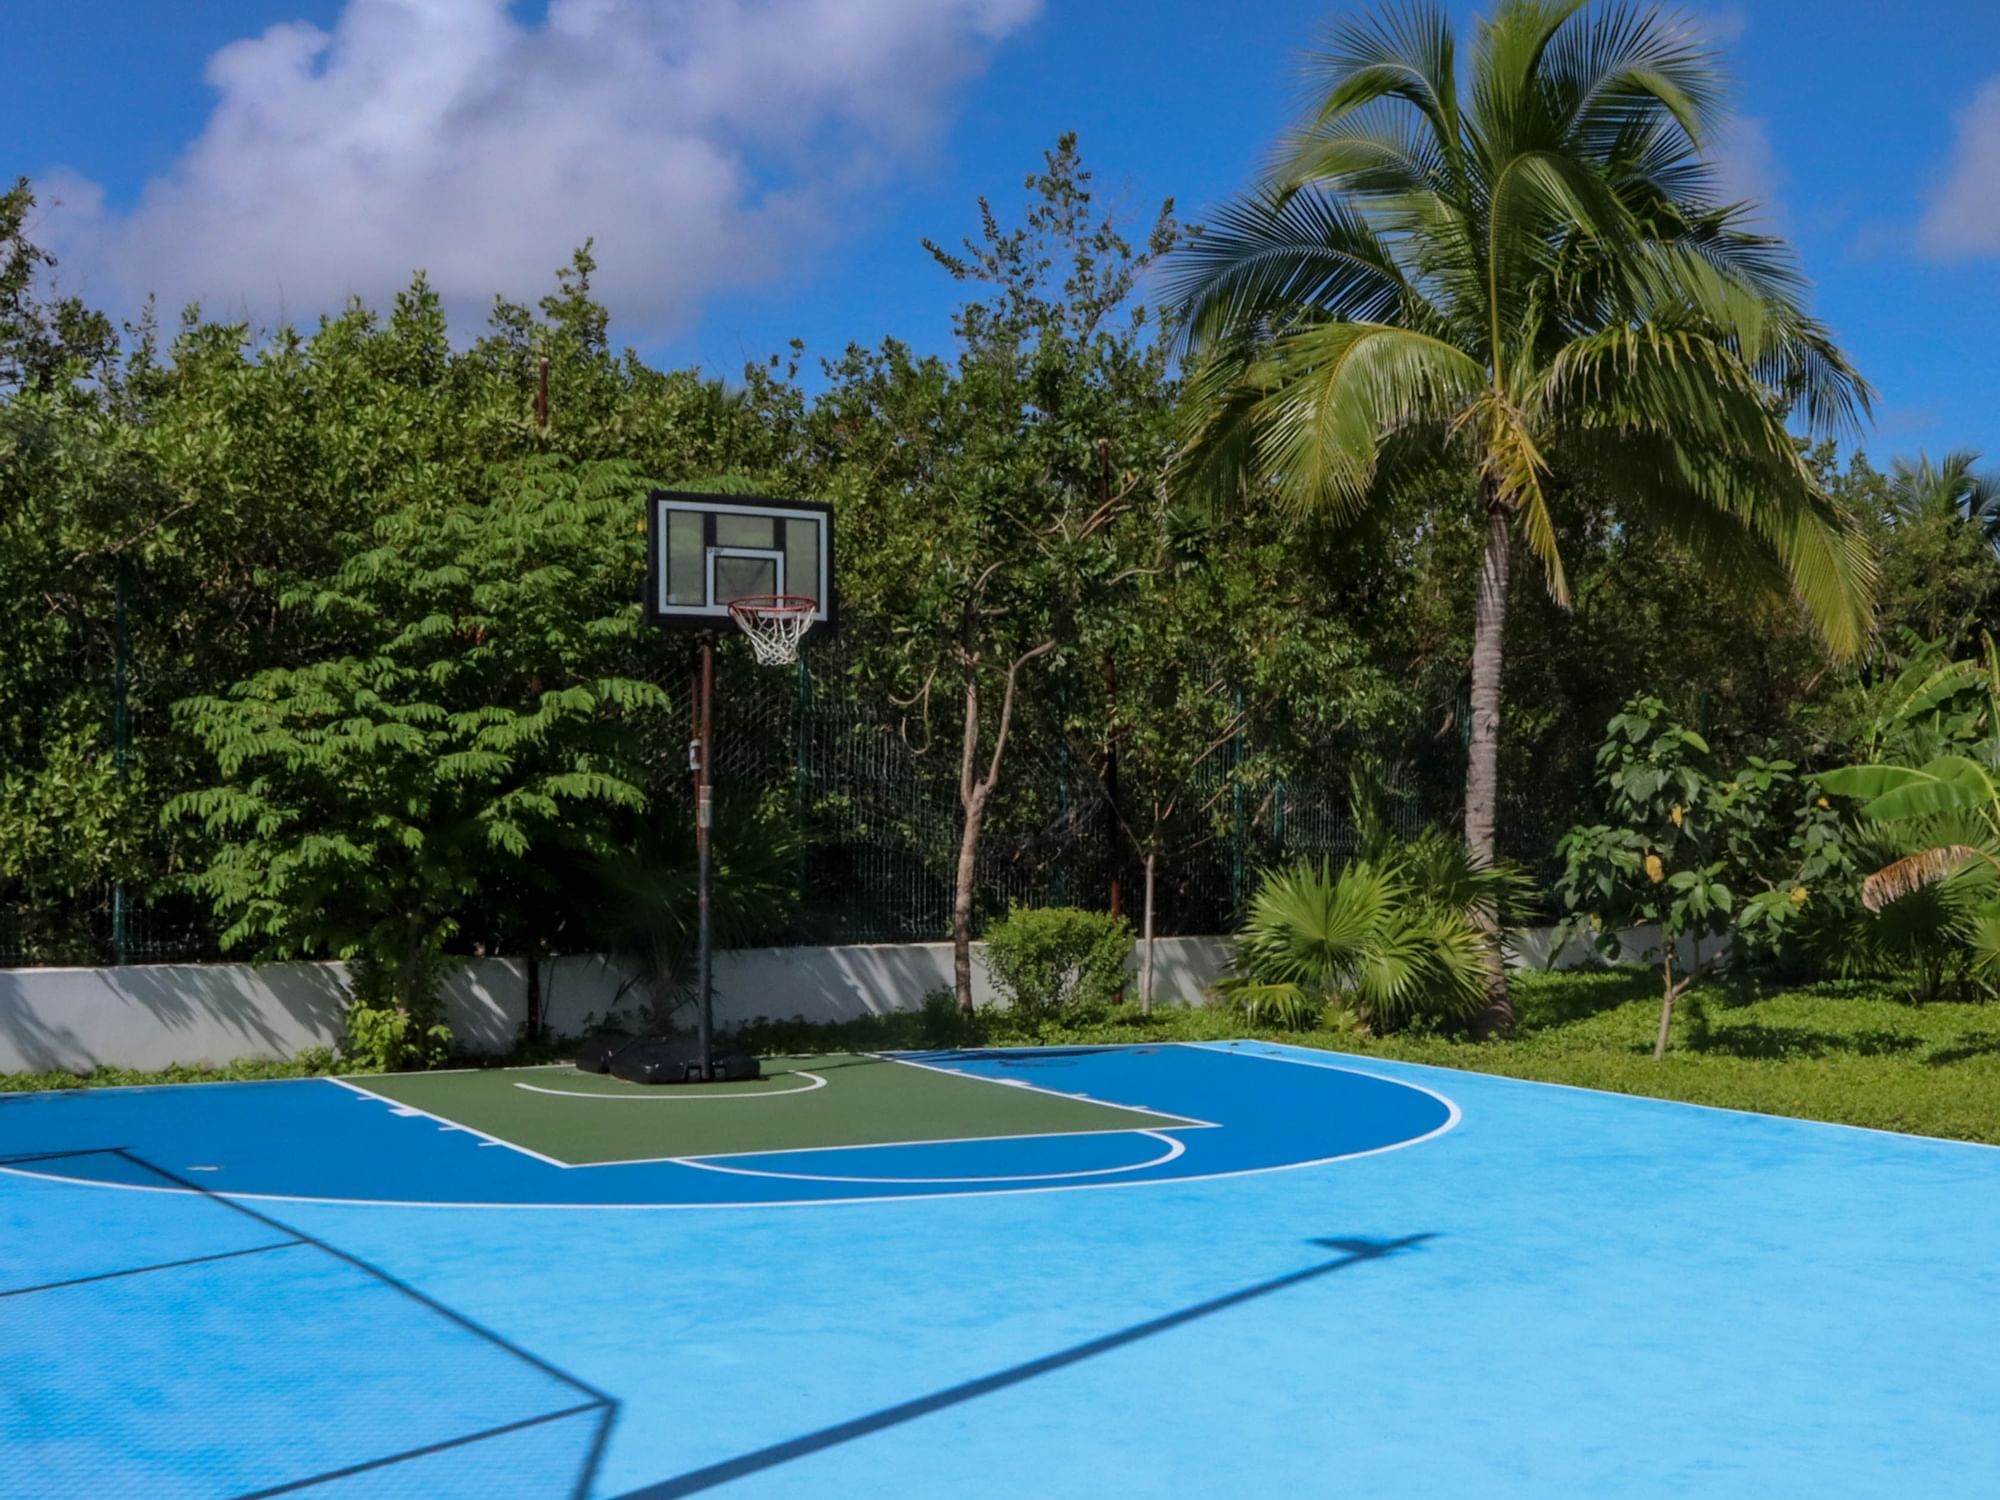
{"type": "Point", "coordinates": [1312, 408]}
{"type": "Point", "coordinates": [1268, 259]}
{"type": "Point", "coordinates": [1405, 54]}
{"type": "Point", "coordinates": [1915, 872]}
{"type": "Point", "coordinates": [1679, 416]}
{"type": "Point", "coordinates": [1631, 63]}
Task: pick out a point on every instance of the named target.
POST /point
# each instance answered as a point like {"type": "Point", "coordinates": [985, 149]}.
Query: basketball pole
{"type": "Point", "coordinates": [704, 822]}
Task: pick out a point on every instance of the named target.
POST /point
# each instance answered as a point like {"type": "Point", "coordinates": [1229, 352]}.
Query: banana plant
{"type": "Point", "coordinates": [1945, 814]}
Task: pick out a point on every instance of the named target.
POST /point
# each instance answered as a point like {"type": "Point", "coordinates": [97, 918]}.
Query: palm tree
{"type": "Point", "coordinates": [1526, 264]}
{"type": "Point", "coordinates": [1953, 488]}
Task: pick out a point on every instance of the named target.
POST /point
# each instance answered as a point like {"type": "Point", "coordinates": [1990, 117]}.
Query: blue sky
{"type": "Point", "coordinates": [756, 171]}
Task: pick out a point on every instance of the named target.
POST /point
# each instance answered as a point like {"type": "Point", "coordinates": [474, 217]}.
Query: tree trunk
{"type": "Point", "coordinates": [972, 801]}
{"type": "Point", "coordinates": [1146, 975]}
{"type": "Point", "coordinates": [961, 908]}
{"type": "Point", "coordinates": [974, 791]}
{"type": "Point", "coordinates": [1482, 759]}
{"type": "Point", "coordinates": [1666, 997]}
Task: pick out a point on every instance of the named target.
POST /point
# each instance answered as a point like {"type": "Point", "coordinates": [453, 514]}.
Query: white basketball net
{"type": "Point", "coordinates": [775, 623]}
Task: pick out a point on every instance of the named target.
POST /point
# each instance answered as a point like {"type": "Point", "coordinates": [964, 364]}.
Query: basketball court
{"type": "Point", "coordinates": [1230, 1269]}
{"type": "Point", "coordinates": [1171, 1270]}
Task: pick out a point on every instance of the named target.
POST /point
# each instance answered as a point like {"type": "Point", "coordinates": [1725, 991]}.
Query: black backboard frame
{"type": "Point", "coordinates": [828, 612]}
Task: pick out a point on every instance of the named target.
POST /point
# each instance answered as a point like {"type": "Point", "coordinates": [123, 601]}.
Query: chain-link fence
{"type": "Point", "coordinates": [876, 794]}
{"type": "Point", "coordinates": [873, 791]}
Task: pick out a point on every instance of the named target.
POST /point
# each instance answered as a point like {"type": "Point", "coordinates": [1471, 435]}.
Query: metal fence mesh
{"type": "Point", "coordinates": [876, 804]}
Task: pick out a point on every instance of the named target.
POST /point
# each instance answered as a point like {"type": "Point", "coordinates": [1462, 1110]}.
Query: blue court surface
{"type": "Point", "coordinates": [1300, 1274]}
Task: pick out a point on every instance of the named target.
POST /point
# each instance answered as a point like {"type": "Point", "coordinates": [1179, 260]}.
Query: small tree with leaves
{"type": "Point", "coordinates": [1660, 856]}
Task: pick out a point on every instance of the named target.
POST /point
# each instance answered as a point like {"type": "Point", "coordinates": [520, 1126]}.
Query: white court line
{"type": "Point", "coordinates": [1006, 1192]}
{"type": "Point", "coordinates": [1174, 1149]}
{"type": "Point", "coordinates": [680, 1096]}
{"type": "Point", "coordinates": [1229, 1049]}
{"type": "Point", "coordinates": [1035, 1088]}
{"type": "Point", "coordinates": [943, 1140]}
{"type": "Point", "coordinates": [399, 1107]}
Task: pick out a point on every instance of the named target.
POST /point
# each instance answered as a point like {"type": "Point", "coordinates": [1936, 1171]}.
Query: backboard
{"type": "Point", "coordinates": [704, 550]}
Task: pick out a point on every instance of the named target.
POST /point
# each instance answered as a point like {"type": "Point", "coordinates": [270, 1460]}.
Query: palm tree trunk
{"type": "Point", "coordinates": [1482, 759]}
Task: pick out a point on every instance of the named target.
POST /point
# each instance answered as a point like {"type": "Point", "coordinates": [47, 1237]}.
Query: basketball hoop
{"type": "Point", "coordinates": [775, 623]}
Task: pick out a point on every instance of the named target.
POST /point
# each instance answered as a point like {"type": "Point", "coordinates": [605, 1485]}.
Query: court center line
{"type": "Point", "coordinates": [681, 1095]}
{"type": "Point", "coordinates": [1174, 1149]}
{"type": "Point", "coordinates": [944, 1140]}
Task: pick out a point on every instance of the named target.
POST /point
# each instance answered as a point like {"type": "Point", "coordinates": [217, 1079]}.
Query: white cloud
{"type": "Point", "coordinates": [1964, 214]}
{"type": "Point", "coordinates": [1721, 25]}
{"type": "Point", "coordinates": [1747, 169]}
{"type": "Point", "coordinates": [704, 143]}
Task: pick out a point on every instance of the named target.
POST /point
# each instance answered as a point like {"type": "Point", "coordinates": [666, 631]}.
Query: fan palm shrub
{"type": "Point", "coordinates": [1524, 261]}
{"type": "Point", "coordinates": [1390, 940]}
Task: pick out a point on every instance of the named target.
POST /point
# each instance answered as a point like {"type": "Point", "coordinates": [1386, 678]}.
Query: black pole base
{"type": "Point", "coordinates": [679, 1060]}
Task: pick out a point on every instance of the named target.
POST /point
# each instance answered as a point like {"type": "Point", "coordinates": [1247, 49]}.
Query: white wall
{"type": "Point", "coordinates": [158, 1015]}
{"type": "Point", "coordinates": [1532, 946]}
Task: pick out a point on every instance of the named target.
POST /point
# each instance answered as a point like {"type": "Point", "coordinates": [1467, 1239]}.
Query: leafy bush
{"type": "Point", "coordinates": [942, 1023]}
{"type": "Point", "coordinates": [383, 1039]}
{"type": "Point", "coordinates": [394, 1017]}
{"type": "Point", "coordinates": [1368, 944]}
{"type": "Point", "coordinates": [1059, 960]}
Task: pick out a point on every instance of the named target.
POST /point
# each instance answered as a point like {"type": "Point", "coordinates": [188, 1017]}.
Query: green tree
{"type": "Point", "coordinates": [1527, 262]}
{"type": "Point", "coordinates": [486, 700]}
{"type": "Point", "coordinates": [975, 512]}
{"type": "Point", "coordinates": [1661, 857]}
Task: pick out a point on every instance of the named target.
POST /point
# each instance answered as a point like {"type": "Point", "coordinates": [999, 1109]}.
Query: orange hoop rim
{"type": "Point", "coordinates": [751, 607]}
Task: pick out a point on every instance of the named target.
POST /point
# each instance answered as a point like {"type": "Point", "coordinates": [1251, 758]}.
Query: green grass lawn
{"type": "Point", "coordinates": [1849, 1051]}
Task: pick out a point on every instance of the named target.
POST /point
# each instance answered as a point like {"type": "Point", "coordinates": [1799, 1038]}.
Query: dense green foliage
{"type": "Point", "coordinates": [1054, 961]}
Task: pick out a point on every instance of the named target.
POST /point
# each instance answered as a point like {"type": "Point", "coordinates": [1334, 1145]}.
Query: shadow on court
{"type": "Point", "coordinates": [1350, 1252]}
{"type": "Point", "coordinates": [165, 1352]}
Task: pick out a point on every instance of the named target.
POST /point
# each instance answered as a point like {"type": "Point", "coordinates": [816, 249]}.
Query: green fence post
{"type": "Point", "coordinates": [1237, 832]}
